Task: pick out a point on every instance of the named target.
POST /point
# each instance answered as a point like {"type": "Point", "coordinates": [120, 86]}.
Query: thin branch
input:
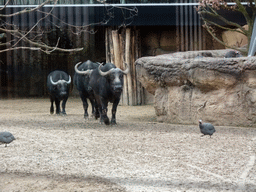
{"type": "Point", "coordinates": [5, 5]}
{"type": "Point", "coordinates": [242, 9]}
{"type": "Point", "coordinates": [243, 32]}
{"type": "Point", "coordinates": [221, 42]}
{"type": "Point", "coordinates": [36, 23]}
{"type": "Point", "coordinates": [26, 10]}
{"type": "Point", "coordinates": [44, 47]}
{"type": "Point", "coordinates": [210, 8]}
{"type": "Point", "coordinates": [56, 46]}
{"type": "Point", "coordinates": [221, 18]}
{"type": "Point", "coordinates": [16, 48]}
{"type": "Point", "coordinates": [35, 39]}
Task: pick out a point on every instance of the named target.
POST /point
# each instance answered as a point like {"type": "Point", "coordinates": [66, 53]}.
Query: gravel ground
{"type": "Point", "coordinates": [68, 153]}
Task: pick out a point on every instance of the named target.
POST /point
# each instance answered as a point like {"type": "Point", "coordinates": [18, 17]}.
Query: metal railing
{"type": "Point", "coordinates": [36, 2]}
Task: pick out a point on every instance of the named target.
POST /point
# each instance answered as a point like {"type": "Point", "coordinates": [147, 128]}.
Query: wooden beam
{"type": "Point", "coordinates": [116, 45]}
{"type": "Point", "coordinates": [128, 62]}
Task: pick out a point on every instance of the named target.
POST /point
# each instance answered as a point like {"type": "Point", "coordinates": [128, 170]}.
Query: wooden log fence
{"type": "Point", "coordinates": [123, 48]}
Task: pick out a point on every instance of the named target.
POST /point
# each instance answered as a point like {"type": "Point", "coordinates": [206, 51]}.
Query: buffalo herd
{"type": "Point", "coordinates": [98, 83]}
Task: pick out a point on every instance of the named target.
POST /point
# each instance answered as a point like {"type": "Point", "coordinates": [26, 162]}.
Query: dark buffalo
{"type": "Point", "coordinates": [81, 81]}
{"type": "Point", "coordinates": [58, 83]}
{"type": "Point", "coordinates": [107, 85]}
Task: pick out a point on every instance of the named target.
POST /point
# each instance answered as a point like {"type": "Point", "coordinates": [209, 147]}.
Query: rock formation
{"type": "Point", "coordinates": [208, 87]}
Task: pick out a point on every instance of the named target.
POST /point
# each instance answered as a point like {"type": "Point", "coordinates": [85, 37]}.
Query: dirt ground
{"type": "Point", "coordinates": [68, 153]}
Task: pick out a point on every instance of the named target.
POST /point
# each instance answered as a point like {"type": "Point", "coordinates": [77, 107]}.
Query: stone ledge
{"type": "Point", "coordinates": [215, 89]}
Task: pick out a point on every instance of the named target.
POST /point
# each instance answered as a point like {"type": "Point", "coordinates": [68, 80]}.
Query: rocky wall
{"type": "Point", "coordinates": [187, 88]}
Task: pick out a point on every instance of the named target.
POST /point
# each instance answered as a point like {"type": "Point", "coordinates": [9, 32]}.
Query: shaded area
{"type": "Point", "coordinates": [55, 182]}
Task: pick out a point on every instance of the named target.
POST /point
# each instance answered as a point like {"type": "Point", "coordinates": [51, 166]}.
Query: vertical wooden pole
{"type": "Point", "coordinates": [111, 47]}
{"type": "Point", "coordinates": [128, 61]}
{"type": "Point", "coordinates": [115, 37]}
{"type": "Point", "coordinates": [108, 57]}
{"type": "Point", "coordinates": [122, 51]}
{"type": "Point", "coordinates": [133, 57]}
{"type": "Point", "coordinates": [140, 92]}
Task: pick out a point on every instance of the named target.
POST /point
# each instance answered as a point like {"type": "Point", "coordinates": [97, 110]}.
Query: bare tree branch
{"type": "Point", "coordinates": [33, 35]}
{"type": "Point", "coordinates": [26, 10]}
{"type": "Point", "coordinates": [36, 23]}
{"type": "Point", "coordinates": [16, 48]}
{"type": "Point", "coordinates": [222, 42]}
{"type": "Point", "coordinates": [5, 5]}
{"type": "Point", "coordinates": [209, 8]}
{"type": "Point", "coordinates": [22, 36]}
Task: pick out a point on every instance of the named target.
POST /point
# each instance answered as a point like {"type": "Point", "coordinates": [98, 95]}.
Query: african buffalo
{"type": "Point", "coordinates": [107, 85]}
{"type": "Point", "coordinates": [58, 83]}
{"type": "Point", "coordinates": [81, 81]}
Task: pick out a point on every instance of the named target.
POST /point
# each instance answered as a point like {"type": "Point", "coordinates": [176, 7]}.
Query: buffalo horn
{"type": "Point", "coordinates": [126, 71]}
{"type": "Point", "coordinates": [87, 72]}
{"type": "Point", "coordinates": [104, 73]}
{"type": "Point", "coordinates": [69, 80]}
{"type": "Point", "coordinates": [61, 80]}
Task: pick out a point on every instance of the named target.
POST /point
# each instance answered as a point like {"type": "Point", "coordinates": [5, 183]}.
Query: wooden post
{"type": "Point", "coordinates": [111, 47]}
{"type": "Point", "coordinates": [107, 46]}
{"type": "Point", "coordinates": [128, 61]}
{"type": "Point", "coordinates": [116, 48]}
{"type": "Point", "coordinates": [122, 48]}
{"type": "Point", "coordinates": [140, 92]}
{"type": "Point", "coordinates": [133, 57]}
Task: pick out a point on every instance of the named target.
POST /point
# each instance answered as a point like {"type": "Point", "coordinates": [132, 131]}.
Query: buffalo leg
{"type": "Point", "coordinates": [95, 110]}
{"type": "Point", "coordinates": [113, 119]}
{"type": "Point", "coordinates": [57, 103]}
{"type": "Point", "coordinates": [85, 105]}
{"type": "Point", "coordinates": [99, 107]}
{"type": "Point", "coordinates": [97, 113]}
{"type": "Point", "coordinates": [52, 107]}
{"type": "Point", "coordinates": [104, 112]}
{"type": "Point", "coordinates": [64, 106]}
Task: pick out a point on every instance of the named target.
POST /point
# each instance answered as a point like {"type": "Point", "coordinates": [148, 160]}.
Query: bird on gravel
{"type": "Point", "coordinates": [6, 138]}
{"type": "Point", "coordinates": [206, 128]}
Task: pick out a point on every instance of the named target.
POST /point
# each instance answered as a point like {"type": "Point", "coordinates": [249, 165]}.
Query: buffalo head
{"type": "Point", "coordinates": [115, 77]}
{"type": "Point", "coordinates": [60, 86]}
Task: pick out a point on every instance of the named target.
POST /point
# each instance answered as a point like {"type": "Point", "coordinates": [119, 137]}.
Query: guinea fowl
{"type": "Point", "coordinates": [6, 138]}
{"type": "Point", "coordinates": [206, 128]}
{"type": "Point", "coordinates": [231, 54]}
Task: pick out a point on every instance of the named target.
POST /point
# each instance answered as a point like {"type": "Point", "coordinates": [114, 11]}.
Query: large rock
{"type": "Point", "coordinates": [232, 38]}
{"type": "Point", "coordinates": [215, 89]}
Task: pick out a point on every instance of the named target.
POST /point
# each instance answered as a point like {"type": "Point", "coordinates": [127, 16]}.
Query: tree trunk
{"type": "Point", "coordinates": [128, 62]}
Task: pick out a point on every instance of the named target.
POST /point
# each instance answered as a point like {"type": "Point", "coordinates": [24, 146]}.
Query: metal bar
{"type": "Point", "coordinates": [252, 47]}
{"type": "Point", "coordinates": [111, 5]}
{"type": "Point", "coordinates": [117, 5]}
